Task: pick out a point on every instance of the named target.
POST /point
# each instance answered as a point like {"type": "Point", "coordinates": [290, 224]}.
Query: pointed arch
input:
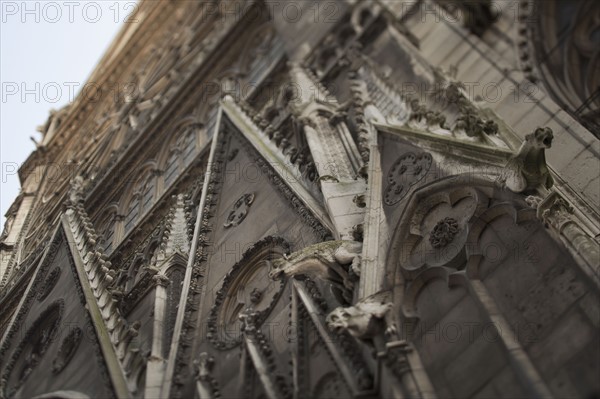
{"type": "Point", "coordinates": [181, 150]}
{"type": "Point", "coordinates": [107, 228]}
{"type": "Point", "coordinates": [139, 196]}
{"type": "Point", "coordinates": [152, 253]}
{"type": "Point", "coordinates": [157, 68]}
{"type": "Point", "coordinates": [472, 266]}
{"type": "Point", "coordinates": [134, 272]}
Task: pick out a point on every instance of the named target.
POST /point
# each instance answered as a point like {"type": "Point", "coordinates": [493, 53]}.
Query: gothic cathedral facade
{"type": "Point", "coordinates": [328, 199]}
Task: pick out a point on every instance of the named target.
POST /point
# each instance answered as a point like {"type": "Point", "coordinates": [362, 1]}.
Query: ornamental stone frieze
{"type": "Point", "coordinates": [314, 208]}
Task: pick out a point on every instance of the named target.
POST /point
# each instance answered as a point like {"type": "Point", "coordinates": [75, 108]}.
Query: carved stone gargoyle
{"type": "Point", "coordinates": [335, 261]}
{"type": "Point", "coordinates": [368, 320]}
{"type": "Point", "coordinates": [527, 170]}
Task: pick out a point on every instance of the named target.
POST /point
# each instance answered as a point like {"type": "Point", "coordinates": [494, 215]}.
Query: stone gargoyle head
{"type": "Point", "coordinates": [363, 320]}
{"type": "Point", "coordinates": [276, 268]}
{"type": "Point", "coordinates": [541, 138]}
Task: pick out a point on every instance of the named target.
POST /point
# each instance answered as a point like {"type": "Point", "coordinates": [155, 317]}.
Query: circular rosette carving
{"type": "Point", "coordinates": [68, 347]}
{"type": "Point", "coordinates": [239, 210]}
{"type": "Point", "coordinates": [435, 228]}
{"type": "Point", "coordinates": [443, 232]}
{"type": "Point", "coordinates": [246, 286]}
{"type": "Point", "coordinates": [407, 171]}
{"type": "Point", "coordinates": [48, 284]}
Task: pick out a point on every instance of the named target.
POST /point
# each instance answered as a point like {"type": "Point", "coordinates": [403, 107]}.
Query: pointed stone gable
{"type": "Point", "coordinates": [349, 199]}
{"type": "Point", "coordinates": [55, 330]}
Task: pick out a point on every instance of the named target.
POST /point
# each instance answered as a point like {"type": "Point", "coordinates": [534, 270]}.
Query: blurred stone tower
{"type": "Point", "coordinates": [324, 199]}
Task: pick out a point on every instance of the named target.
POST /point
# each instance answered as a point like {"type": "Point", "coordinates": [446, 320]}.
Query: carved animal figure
{"type": "Point", "coordinates": [324, 261]}
{"type": "Point", "coordinates": [527, 169]}
{"type": "Point", "coordinates": [365, 320]}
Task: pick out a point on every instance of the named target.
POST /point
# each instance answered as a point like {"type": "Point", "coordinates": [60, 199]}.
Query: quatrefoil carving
{"type": "Point", "coordinates": [239, 211]}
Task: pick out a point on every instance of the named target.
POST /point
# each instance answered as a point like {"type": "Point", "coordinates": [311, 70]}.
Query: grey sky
{"type": "Point", "coordinates": [47, 51]}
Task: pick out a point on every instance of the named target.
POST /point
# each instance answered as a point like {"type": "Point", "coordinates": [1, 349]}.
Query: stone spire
{"type": "Point", "coordinates": [177, 232]}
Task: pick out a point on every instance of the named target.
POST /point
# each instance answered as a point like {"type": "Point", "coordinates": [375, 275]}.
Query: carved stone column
{"type": "Point", "coordinates": [333, 150]}
{"type": "Point", "coordinates": [156, 363]}
{"type": "Point", "coordinates": [560, 217]}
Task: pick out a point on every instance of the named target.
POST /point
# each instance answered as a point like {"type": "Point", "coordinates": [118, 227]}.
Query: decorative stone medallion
{"type": "Point", "coordinates": [68, 347]}
{"type": "Point", "coordinates": [48, 284]}
{"type": "Point", "coordinates": [407, 171]}
{"type": "Point", "coordinates": [246, 286]}
{"type": "Point", "coordinates": [239, 211]}
{"type": "Point", "coordinates": [443, 232]}
{"type": "Point", "coordinates": [434, 226]}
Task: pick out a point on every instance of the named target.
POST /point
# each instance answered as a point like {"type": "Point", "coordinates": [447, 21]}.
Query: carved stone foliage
{"type": "Point", "coordinates": [67, 349]}
{"type": "Point", "coordinates": [48, 284]}
{"type": "Point", "coordinates": [527, 170]}
{"type": "Point", "coordinates": [425, 117]}
{"type": "Point", "coordinates": [408, 170]}
{"type": "Point", "coordinates": [100, 276]}
{"type": "Point", "coordinates": [446, 109]}
{"type": "Point", "coordinates": [443, 232]}
{"type": "Point", "coordinates": [246, 286]}
{"type": "Point", "coordinates": [473, 125]}
{"type": "Point", "coordinates": [33, 346]}
{"type": "Point", "coordinates": [239, 210]}
{"type": "Point", "coordinates": [287, 136]}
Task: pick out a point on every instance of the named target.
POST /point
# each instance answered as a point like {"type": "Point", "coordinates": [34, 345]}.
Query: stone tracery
{"type": "Point", "coordinates": [155, 333]}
